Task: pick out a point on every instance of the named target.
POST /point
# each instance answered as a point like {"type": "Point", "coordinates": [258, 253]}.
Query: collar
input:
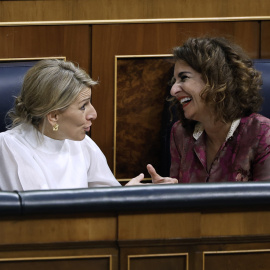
{"type": "Point", "coordinates": [198, 130]}
{"type": "Point", "coordinates": [39, 141]}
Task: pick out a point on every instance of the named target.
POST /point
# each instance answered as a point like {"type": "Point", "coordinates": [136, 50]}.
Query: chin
{"type": "Point", "coordinates": [81, 138]}
{"type": "Point", "coordinates": [78, 138]}
{"type": "Point", "coordinates": [190, 117]}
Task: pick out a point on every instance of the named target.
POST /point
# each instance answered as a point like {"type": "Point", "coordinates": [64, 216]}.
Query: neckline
{"type": "Point", "coordinates": [40, 141]}
{"type": "Point", "coordinates": [198, 130]}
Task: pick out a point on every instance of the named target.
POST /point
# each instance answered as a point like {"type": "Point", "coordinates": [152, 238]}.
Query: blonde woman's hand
{"type": "Point", "coordinates": [136, 180]}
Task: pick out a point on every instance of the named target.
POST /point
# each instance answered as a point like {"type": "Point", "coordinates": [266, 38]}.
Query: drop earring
{"type": "Point", "coordinates": [55, 127]}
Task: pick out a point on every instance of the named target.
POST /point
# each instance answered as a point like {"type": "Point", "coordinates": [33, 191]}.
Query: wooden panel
{"type": "Point", "coordinates": [82, 263]}
{"type": "Point", "coordinates": [238, 223]}
{"type": "Point", "coordinates": [240, 260]}
{"type": "Point", "coordinates": [93, 255]}
{"type": "Point", "coordinates": [41, 10]}
{"type": "Point", "coordinates": [158, 261]}
{"type": "Point", "coordinates": [142, 88]}
{"type": "Point", "coordinates": [190, 225]}
{"type": "Point", "coordinates": [141, 39]}
{"type": "Point", "coordinates": [159, 226]}
{"type": "Point", "coordinates": [265, 40]}
{"type": "Point", "coordinates": [138, 241]}
{"type": "Point", "coordinates": [150, 255]}
{"type": "Point", "coordinates": [47, 41]}
{"type": "Point", "coordinates": [58, 230]}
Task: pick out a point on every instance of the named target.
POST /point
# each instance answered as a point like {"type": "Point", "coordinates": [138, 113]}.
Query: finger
{"type": "Point", "coordinates": [169, 180]}
{"type": "Point", "coordinates": [136, 180]}
{"type": "Point", "coordinates": [153, 172]}
{"type": "Point", "coordinates": [175, 181]}
{"type": "Point", "coordinates": [139, 178]}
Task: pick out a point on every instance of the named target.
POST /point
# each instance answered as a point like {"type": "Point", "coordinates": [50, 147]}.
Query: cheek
{"type": "Point", "coordinates": [80, 119]}
{"type": "Point", "coordinates": [197, 88]}
{"type": "Point", "coordinates": [202, 85]}
{"type": "Point", "coordinates": [74, 119]}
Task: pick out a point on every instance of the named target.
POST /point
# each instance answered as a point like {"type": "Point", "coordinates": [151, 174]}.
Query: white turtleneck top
{"type": "Point", "coordinates": [31, 161]}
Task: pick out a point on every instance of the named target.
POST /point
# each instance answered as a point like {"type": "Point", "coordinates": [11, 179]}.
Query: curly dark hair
{"type": "Point", "coordinates": [232, 83]}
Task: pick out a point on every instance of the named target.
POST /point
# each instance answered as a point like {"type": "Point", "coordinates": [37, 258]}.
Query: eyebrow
{"type": "Point", "coordinates": [86, 99]}
{"type": "Point", "coordinates": [182, 73]}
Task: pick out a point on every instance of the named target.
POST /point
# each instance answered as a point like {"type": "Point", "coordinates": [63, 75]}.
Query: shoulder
{"type": "Point", "coordinates": [89, 147]}
{"type": "Point", "coordinates": [14, 147]}
{"type": "Point", "coordinates": [89, 143]}
{"type": "Point", "coordinates": [255, 127]}
{"type": "Point", "coordinates": [177, 126]}
{"type": "Point", "coordinates": [10, 136]}
{"type": "Point", "coordinates": [256, 120]}
{"type": "Point", "coordinates": [179, 131]}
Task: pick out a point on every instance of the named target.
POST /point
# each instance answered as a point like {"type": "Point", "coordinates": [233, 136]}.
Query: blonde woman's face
{"type": "Point", "coordinates": [77, 119]}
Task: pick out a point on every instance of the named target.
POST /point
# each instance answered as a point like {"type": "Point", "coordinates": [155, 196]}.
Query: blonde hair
{"type": "Point", "coordinates": [49, 85]}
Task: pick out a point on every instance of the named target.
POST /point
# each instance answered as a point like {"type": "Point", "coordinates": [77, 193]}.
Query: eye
{"type": "Point", "coordinates": [86, 103]}
{"type": "Point", "coordinates": [183, 78]}
{"type": "Point", "coordinates": [83, 107]}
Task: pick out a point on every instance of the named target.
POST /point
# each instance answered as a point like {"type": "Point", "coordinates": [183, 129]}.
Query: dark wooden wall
{"type": "Point", "coordinates": [55, 10]}
{"type": "Point", "coordinates": [72, 41]}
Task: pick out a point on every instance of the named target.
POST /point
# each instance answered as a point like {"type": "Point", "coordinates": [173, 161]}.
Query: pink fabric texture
{"type": "Point", "coordinates": [245, 156]}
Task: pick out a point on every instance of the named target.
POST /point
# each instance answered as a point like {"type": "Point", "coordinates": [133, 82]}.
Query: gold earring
{"type": "Point", "coordinates": [55, 127]}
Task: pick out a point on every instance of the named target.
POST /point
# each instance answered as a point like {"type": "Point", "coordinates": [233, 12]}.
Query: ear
{"type": "Point", "coordinates": [53, 117]}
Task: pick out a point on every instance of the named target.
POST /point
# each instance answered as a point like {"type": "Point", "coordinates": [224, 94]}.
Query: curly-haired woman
{"type": "Point", "coordinates": [220, 136]}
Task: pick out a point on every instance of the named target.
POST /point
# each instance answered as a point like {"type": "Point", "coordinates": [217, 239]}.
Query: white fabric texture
{"type": "Point", "coordinates": [198, 130]}
{"type": "Point", "coordinates": [31, 161]}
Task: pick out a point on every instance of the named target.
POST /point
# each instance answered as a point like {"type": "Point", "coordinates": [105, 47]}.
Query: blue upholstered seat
{"type": "Point", "coordinates": [11, 78]}
{"type": "Point", "coordinates": [263, 65]}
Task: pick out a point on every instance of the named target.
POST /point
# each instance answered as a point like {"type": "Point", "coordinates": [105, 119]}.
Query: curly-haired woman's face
{"type": "Point", "coordinates": [187, 88]}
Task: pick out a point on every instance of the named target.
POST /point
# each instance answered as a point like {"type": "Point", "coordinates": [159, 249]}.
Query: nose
{"type": "Point", "coordinates": [176, 88]}
{"type": "Point", "coordinates": [92, 113]}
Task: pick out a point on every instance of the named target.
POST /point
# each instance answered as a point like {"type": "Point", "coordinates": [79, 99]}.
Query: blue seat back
{"type": "Point", "coordinates": [263, 65]}
{"type": "Point", "coordinates": [11, 78]}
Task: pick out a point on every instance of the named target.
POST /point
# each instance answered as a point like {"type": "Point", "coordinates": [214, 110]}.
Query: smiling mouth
{"type": "Point", "coordinates": [185, 101]}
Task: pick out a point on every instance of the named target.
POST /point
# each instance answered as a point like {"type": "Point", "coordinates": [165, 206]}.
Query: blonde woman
{"type": "Point", "coordinates": [47, 146]}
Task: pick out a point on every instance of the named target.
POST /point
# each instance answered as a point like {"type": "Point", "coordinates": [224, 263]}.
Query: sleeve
{"type": "Point", "coordinates": [175, 155]}
{"type": "Point", "coordinates": [99, 173]}
{"type": "Point", "coordinates": [8, 168]}
{"type": "Point", "coordinates": [18, 170]}
{"type": "Point", "coordinates": [261, 165]}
